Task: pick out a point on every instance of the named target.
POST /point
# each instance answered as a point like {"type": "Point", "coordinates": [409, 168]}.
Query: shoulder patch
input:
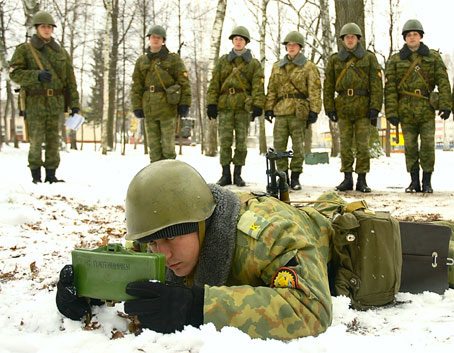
{"type": "Point", "coordinates": [252, 224]}
{"type": "Point", "coordinates": [379, 74]}
{"type": "Point", "coordinates": [285, 277]}
{"type": "Point", "coordinates": [185, 74]}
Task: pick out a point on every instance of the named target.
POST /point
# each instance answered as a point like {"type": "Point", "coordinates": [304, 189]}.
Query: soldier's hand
{"type": "Point", "coordinates": [183, 110]}
{"type": "Point", "coordinates": [74, 111]}
{"type": "Point", "coordinates": [333, 117]}
{"type": "Point", "coordinates": [212, 111]}
{"type": "Point", "coordinates": [68, 303]}
{"type": "Point", "coordinates": [394, 121]}
{"type": "Point", "coordinates": [44, 76]}
{"type": "Point", "coordinates": [139, 113]}
{"type": "Point", "coordinates": [166, 307]}
{"type": "Point", "coordinates": [444, 114]}
{"type": "Point", "coordinates": [312, 117]}
{"type": "Point", "coordinates": [269, 115]}
{"type": "Point", "coordinates": [372, 114]}
{"type": "Point", "coordinates": [256, 111]}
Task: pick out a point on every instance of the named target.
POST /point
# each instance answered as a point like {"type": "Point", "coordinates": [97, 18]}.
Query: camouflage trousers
{"type": "Point", "coordinates": [43, 129]}
{"type": "Point", "coordinates": [230, 122]}
{"type": "Point", "coordinates": [161, 137]}
{"type": "Point", "coordinates": [357, 128]}
{"type": "Point", "coordinates": [286, 126]}
{"type": "Point", "coordinates": [424, 155]}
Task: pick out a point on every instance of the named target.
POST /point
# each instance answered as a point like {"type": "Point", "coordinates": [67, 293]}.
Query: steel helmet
{"type": "Point", "coordinates": [350, 28]}
{"type": "Point", "coordinates": [43, 18]}
{"type": "Point", "coordinates": [157, 30]}
{"type": "Point", "coordinates": [164, 194]}
{"type": "Point", "coordinates": [412, 25]}
{"type": "Point", "coordinates": [242, 32]}
{"type": "Point", "coordinates": [294, 36]}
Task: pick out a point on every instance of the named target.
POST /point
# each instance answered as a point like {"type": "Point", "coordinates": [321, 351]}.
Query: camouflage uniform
{"type": "Point", "coordinates": [147, 94]}
{"type": "Point", "coordinates": [234, 100]}
{"type": "Point", "coordinates": [359, 90]}
{"type": "Point", "coordinates": [414, 110]}
{"type": "Point", "coordinates": [294, 89]}
{"type": "Point", "coordinates": [45, 101]}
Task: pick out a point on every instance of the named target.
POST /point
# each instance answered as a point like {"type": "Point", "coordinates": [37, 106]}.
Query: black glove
{"type": "Point", "coordinates": [166, 307]}
{"type": "Point", "coordinates": [74, 111]}
{"type": "Point", "coordinates": [139, 113]}
{"type": "Point", "coordinates": [269, 115]}
{"type": "Point", "coordinates": [212, 111]}
{"type": "Point", "coordinates": [312, 117]}
{"type": "Point", "coordinates": [333, 116]}
{"type": "Point", "coordinates": [256, 111]}
{"type": "Point", "coordinates": [394, 121]}
{"type": "Point", "coordinates": [183, 110]}
{"type": "Point", "coordinates": [444, 114]}
{"type": "Point", "coordinates": [44, 76]}
{"type": "Point", "coordinates": [372, 113]}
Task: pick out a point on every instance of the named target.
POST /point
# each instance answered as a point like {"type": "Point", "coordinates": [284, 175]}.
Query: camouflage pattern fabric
{"type": "Point", "coordinates": [231, 121]}
{"type": "Point", "coordinates": [415, 112]}
{"type": "Point", "coordinates": [148, 95]}
{"type": "Point", "coordinates": [364, 75]}
{"type": "Point", "coordinates": [273, 237]}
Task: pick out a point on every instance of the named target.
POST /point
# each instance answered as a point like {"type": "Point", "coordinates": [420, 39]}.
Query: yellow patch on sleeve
{"type": "Point", "coordinates": [263, 80]}
{"type": "Point", "coordinates": [285, 277]}
{"type": "Point", "coordinates": [379, 74]}
{"type": "Point", "coordinates": [185, 74]}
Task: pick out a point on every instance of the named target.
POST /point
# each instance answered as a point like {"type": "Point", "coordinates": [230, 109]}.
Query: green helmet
{"type": "Point", "coordinates": [350, 28]}
{"type": "Point", "coordinates": [43, 18]}
{"type": "Point", "coordinates": [163, 194]}
{"type": "Point", "coordinates": [294, 36]}
{"type": "Point", "coordinates": [157, 30]}
{"type": "Point", "coordinates": [242, 32]}
{"type": "Point", "coordinates": [412, 25]}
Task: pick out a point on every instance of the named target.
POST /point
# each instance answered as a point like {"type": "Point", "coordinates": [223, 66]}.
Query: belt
{"type": "Point", "coordinates": [233, 91]}
{"type": "Point", "coordinates": [418, 93]}
{"type": "Point", "coordinates": [154, 89]}
{"type": "Point", "coordinates": [291, 95]}
{"type": "Point", "coordinates": [44, 92]}
{"type": "Point", "coordinates": [353, 92]}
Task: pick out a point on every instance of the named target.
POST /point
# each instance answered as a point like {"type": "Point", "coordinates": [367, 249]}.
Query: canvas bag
{"type": "Point", "coordinates": [173, 92]}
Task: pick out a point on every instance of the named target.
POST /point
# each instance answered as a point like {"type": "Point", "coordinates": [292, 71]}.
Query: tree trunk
{"type": "Point", "coordinates": [262, 30]}
{"type": "Point", "coordinates": [106, 49]}
{"type": "Point", "coordinates": [111, 114]}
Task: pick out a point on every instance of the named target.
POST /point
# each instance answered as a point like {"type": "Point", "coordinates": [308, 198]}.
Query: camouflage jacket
{"type": "Point", "coordinates": [263, 264]}
{"type": "Point", "coordinates": [363, 77]}
{"type": "Point", "coordinates": [298, 76]}
{"type": "Point", "coordinates": [430, 70]}
{"type": "Point", "coordinates": [240, 90]}
{"type": "Point", "coordinates": [147, 92]}
{"type": "Point", "coordinates": [24, 71]}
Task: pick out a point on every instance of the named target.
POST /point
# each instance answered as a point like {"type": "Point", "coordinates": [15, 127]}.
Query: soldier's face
{"type": "Point", "coordinates": [292, 49]}
{"type": "Point", "coordinates": [182, 252]}
{"type": "Point", "coordinates": [45, 31]}
{"type": "Point", "coordinates": [413, 39]}
{"type": "Point", "coordinates": [239, 43]}
{"type": "Point", "coordinates": [350, 41]}
{"type": "Point", "coordinates": [156, 42]}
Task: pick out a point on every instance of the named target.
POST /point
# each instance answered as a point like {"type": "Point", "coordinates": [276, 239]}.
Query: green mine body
{"type": "Point", "coordinates": [103, 273]}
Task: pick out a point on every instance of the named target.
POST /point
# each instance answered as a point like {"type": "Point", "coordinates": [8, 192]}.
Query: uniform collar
{"type": "Point", "coordinates": [39, 43]}
{"type": "Point", "coordinates": [300, 60]}
{"type": "Point", "coordinates": [246, 55]}
{"type": "Point", "coordinates": [345, 54]}
{"type": "Point", "coordinates": [162, 54]}
{"type": "Point", "coordinates": [405, 52]}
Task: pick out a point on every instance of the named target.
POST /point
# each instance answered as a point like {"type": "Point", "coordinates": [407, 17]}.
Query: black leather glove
{"type": "Point", "coordinates": [312, 117]}
{"type": "Point", "coordinates": [74, 111]}
{"type": "Point", "coordinates": [444, 114]}
{"type": "Point", "coordinates": [165, 308]}
{"type": "Point", "coordinates": [212, 111]}
{"type": "Point", "coordinates": [333, 117]}
{"type": "Point", "coordinates": [256, 111]}
{"type": "Point", "coordinates": [269, 115]}
{"type": "Point", "coordinates": [139, 113]}
{"type": "Point", "coordinates": [394, 120]}
{"type": "Point", "coordinates": [44, 76]}
{"type": "Point", "coordinates": [183, 110]}
{"type": "Point", "coordinates": [372, 114]}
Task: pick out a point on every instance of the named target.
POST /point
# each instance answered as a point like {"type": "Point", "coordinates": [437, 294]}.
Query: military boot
{"type": "Point", "coordinates": [415, 185]}
{"type": "Point", "coordinates": [426, 185]}
{"type": "Point", "coordinates": [51, 178]}
{"type": "Point", "coordinates": [347, 183]}
{"type": "Point", "coordinates": [237, 180]}
{"type": "Point", "coordinates": [36, 175]}
{"type": "Point", "coordinates": [226, 178]}
{"type": "Point", "coordinates": [361, 184]}
{"type": "Point", "coordinates": [294, 181]}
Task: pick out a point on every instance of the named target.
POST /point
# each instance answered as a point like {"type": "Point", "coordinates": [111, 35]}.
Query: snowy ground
{"type": "Point", "coordinates": [41, 224]}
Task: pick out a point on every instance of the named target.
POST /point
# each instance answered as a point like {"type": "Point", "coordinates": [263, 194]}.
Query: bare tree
{"type": "Point", "coordinates": [106, 50]}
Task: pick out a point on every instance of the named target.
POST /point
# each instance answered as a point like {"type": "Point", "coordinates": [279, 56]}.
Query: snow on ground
{"type": "Point", "coordinates": [41, 224]}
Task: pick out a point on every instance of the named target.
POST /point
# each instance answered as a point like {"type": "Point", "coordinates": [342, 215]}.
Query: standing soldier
{"type": "Point", "coordinates": [44, 71]}
{"type": "Point", "coordinates": [411, 76]}
{"type": "Point", "coordinates": [160, 92]}
{"type": "Point", "coordinates": [354, 73]}
{"type": "Point", "coordinates": [236, 90]}
{"type": "Point", "coordinates": [294, 98]}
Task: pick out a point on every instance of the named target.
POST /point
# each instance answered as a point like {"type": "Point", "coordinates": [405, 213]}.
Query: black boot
{"type": "Point", "coordinates": [295, 182]}
{"type": "Point", "coordinates": [36, 175]}
{"type": "Point", "coordinates": [51, 178]}
{"type": "Point", "coordinates": [361, 184]}
{"type": "Point", "coordinates": [237, 180]}
{"type": "Point", "coordinates": [415, 185]}
{"type": "Point", "coordinates": [426, 186]}
{"type": "Point", "coordinates": [226, 178]}
{"type": "Point", "coordinates": [347, 183]}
